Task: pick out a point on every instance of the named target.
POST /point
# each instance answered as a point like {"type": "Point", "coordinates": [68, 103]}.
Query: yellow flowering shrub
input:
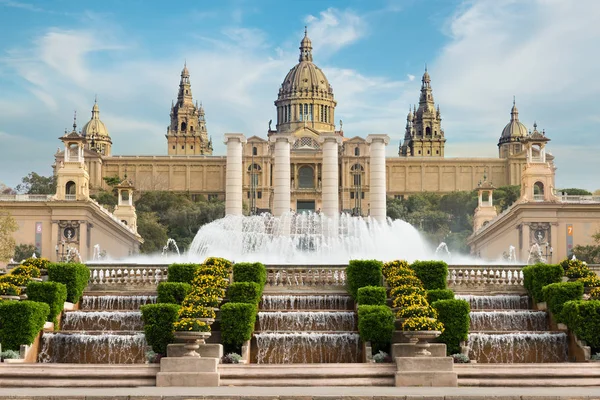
{"type": "Point", "coordinates": [410, 300]}
{"type": "Point", "coordinates": [8, 289]}
{"type": "Point", "coordinates": [196, 312]}
{"type": "Point", "coordinates": [391, 266]}
{"type": "Point", "coordinates": [405, 290]}
{"type": "Point", "coordinates": [219, 262]}
{"type": "Point", "coordinates": [204, 281]}
{"type": "Point", "coordinates": [17, 280]}
{"type": "Point", "coordinates": [595, 294]}
{"type": "Point", "coordinates": [404, 280]}
{"type": "Point", "coordinates": [40, 263]}
{"type": "Point", "coordinates": [422, 324]}
{"type": "Point", "coordinates": [590, 281]}
{"type": "Point", "coordinates": [417, 311]}
{"type": "Point", "coordinates": [191, 325]}
{"type": "Point", "coordinates": [30, 271]}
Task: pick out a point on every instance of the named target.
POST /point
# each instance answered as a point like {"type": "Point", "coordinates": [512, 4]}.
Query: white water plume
{"type": "Point", "coordinates": [308, 302]}
{"type": "Point", "coordinates": [115, 302]}
{"type": "Point", "coordinates": [307, 321]}
{"type": "Point", "coordinates": [509, 320]}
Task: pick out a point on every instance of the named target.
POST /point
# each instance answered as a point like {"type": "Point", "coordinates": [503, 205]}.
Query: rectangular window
{"type": "Point", "coordinates": [248, 193]}
{"type": "Point", "coordinates": [182, 147]}
{"type": "Point", "coordinates": [289, 113]}
{"type": "Point", "coordinates": [173, 147]}
{"type": "Point", "coordinates": [321, 115]}
{"type": "Point", "coordinates": [259, 195]}
{"type": "Point", "coordinates": [352, 195]}
{"type": "Point", "coordinates": [362, 195]}
{"type": "Point", "coordinates": [310, 112]}
{"type": "Point", "coordinates": [192, 147]}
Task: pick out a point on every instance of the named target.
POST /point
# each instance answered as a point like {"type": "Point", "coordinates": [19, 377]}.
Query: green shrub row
{"type": "Point", "coordinates": [172, 292]}
{"type": "Point", "coordinates": [376, 325]}
{"type": "Point", "coordinates": [158, 325]}
{"type": "Point", "coordinates": [74, 276]}
{"type": "Point", "coordinates": [372, 296]}
{"type": "Point", "coordinates": [250, 272]}
{"type": "Point", "coordinates": [583, 318]}
{"type": "Point", "coordinates": [20, 322]}
{"type": "Point", "coordinates": [439, 294]}
{"type": "Point", "coordinates": [183, 273]}
{"type": "Point", "coordinates": [52, 293]}
{"type": "Point", "coordinates": [557, 294]}
{"type": "Point", "coordinates": [454, 315]}
{"type": "Point", "coordinates": [237, 323]}
{"type": "Point", "coordinates": [244, 292]}
{"type": "Point", "coordinates": [535, 277]}
{"type": "Point", "coordinates": [433, 274]}
{"type": "Point", "coordinates": [361, 273]}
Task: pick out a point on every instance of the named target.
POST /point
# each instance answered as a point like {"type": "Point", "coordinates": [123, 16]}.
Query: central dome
{"type": "Point", "coordinates": [305, 79]}
{"type": "Point", "coordinates": [514, 131]}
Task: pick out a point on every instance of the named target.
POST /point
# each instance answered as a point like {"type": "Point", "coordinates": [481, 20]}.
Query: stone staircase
{"type": "Point", "coordinates": [523, 375]}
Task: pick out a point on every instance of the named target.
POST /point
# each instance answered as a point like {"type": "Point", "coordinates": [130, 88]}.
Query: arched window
{"type": "Point", "coordinates": [124, 222]}
{"type": "Point", "coordinates": [183, 126]}
{"type": "Point", "coordinates": [357, 171]}
{"type": "Point", "coordinates": [357, 151]}
{"type": "Point", "coordinates": [306, 177]}
{"type": "Point", "coordinates": [538, 188]}
{"type": "Point", "coordinates": [70, 188]}
{"type": "Point", "coordinates": [254, 151]}
{"type": "Point", "coordinates": [428, 131]}
{"type": "Point", "coordinates": [125, 195]}
{"type": "Point", "coordinates": [254, 170]}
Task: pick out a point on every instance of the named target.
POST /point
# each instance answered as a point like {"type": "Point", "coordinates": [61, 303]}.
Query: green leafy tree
{"type": "Point", "coordinates": [8, 226]}
{"type": "Point", "coordinates": [34, 183]}
{"type": "Point", "coordinates": [575, 192]}
{"type": "Point", "coordinates": [505, 196]}
{"type": "Point", "coordinates": [112, 181]}
{"type": "Point", "coordinates": [154, 234]}
{"type": "Point", "coordinates": [107, 199]}
{"type": "Point", "coordinates": [23, 251]}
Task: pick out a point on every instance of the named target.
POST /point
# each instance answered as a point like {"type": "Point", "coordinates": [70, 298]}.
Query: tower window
{"type": "Point", "coordinates": [182, 147]}
{"type": "Point", "coordinates": [428, 131]}
{"type": "Point", "coordinates": [351, 195]}
{"type": "Point", "coordinates": [192, 147]}
{"type": "Point", "coordinates": [427, 151]}
{"type": "Point", "coordinates": [173, 147]}
{"type": "Point", "coordinates": [259, 195]}
{"type": "Point", "coordinates": [186, 91]}
{"type": "Point", "coordinates": [254, 151]}
{"type": "Point", "coordinates": [419, 152]}
{"type": "Point", "coordinates": [356, 151]}
{"type": "Point", "coordinates": [437, 152]}
{"type": "Point", "coordinates": [183, 126]}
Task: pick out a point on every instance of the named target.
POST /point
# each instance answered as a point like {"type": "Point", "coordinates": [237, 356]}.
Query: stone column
{"type": "Point", "coordinates": [377, 193]}
{"type": "Point", "coordinates": [330, 174]}
{"type": "Point", "coordinates": [234, 173]}
{"type": "Point", "coordinates": [281, 174]}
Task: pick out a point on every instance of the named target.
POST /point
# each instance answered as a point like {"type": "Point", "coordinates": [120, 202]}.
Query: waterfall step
{"type": "Point", "coordinates": [116, 301]}
{"type": "Point", "coordinates": [77, 375]}
{"type": "Point", "coordinates": [496, 302]}
{"type": "Point", "coordinates": [89, 320]}
{"type": "Point", "coordinates": [350, 374]}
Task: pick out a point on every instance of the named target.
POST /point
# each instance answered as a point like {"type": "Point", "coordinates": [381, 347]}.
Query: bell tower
{"type": "Point", "coordinates": [187, 134]}
{"type": "Point", "coordinates": [72, 178]}
{"type": "Point", "coordinates": [537, 179]}
{"type": "Point", "coordinates": [125, 210]}
{"type": "Point", "coordinates": [485, 211]}
{"type": "Point", "coordinates": [424, 136]}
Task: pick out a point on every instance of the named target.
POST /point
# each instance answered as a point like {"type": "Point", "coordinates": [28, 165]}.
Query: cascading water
{"type": "Point", "coordinates": [498, 302]}
{"type": "Point", "coordinates": [307, 238]}
{"type": "Point", "coordinates": [115, 302]}
{"type": "Point", "coordinates": [298, 302]}
{"type": "Point", "coordinates": [102, 321]}
{"type": "Point", "coordinates": [513, 320]}
{"type": "Point", "coordinates": [504, 330]}
{"type": "Point", "coordinates": [304, 332]}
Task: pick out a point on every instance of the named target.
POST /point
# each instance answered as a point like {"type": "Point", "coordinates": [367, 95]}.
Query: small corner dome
{"type": "Point", "coordinates": [95, 127]}
{"type": "Point", "coordinates": [514, 131]}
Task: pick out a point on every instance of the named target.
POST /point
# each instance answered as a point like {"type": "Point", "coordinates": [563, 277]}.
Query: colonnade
{"type": "Point", "coordinates": [330, 174]}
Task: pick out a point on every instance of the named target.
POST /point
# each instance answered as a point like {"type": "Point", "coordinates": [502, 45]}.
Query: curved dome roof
{"type": "Point", "coordinates": [305, 78]}
{"type": "Point", "coordinates": [95, 127]}
{"type": "Point", "coordinates": [513, 131]}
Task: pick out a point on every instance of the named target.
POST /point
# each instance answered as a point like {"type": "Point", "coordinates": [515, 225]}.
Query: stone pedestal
{"type": "Point", "coordinates": [409, 350]}
{"type": "Point", "coordinates": [377, 182]}
{"type": "Point", "coordinates": [234, 173]}
{"type": "Point", "coordinates": [426, 371]}
{"type": "Point", "coordinates": [205, 350]}
{"type": "Point", "coordinates": [188, 372]}
{"type": "Point", "coordinates": [281, 174]}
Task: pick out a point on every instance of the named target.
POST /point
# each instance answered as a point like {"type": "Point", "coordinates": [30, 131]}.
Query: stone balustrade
{"type": "Point", "coordinates": [295, 278]}
{"type": "Point", "coordinates": [112, 277]}
{"type": "Point", "coordinates": [486, 278]}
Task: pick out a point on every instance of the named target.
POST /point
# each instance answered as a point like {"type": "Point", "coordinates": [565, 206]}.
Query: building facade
{"type": "Point", "coordinates": [305, 108]}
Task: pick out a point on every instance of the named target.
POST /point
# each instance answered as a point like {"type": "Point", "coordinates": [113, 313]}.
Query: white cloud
{"type": "Point", "coordinates": [333, 29]}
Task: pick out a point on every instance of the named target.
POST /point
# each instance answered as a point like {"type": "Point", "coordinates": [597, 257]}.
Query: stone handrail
{"type": "Point", "coordinates": [486, 278]}
{"type": "Point", "coordinates": [306, 277]}
{"type": "Point", "coordinates": [118, 276]}
{"type": "Point", "coordinates": [25, 197]}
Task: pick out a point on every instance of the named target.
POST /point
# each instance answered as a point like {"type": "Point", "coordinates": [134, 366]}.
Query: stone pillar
{"type": "Point", "coordinates": [281, 174]}
{"type": "Point", "coordinates": [330, 174]}
{"type": "Point", "coordinates": [377, 189]}
{"type": "Point", "coordinates": [234, 173]}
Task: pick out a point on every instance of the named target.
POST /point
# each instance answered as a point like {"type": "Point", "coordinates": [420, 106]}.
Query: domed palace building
{"type": "Point", "coordinates": [304, 162]}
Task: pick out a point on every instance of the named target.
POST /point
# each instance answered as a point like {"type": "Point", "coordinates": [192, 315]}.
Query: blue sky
{"type": "Point", "coordinates": [55, 56]}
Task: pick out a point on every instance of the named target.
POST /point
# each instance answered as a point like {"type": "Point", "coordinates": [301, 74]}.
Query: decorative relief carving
{"type": "Point", "coordinates": [539, 232]}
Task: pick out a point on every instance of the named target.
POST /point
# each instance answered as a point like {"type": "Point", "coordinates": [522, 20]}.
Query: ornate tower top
{"type": "Point", "coordinates": [96, 134]}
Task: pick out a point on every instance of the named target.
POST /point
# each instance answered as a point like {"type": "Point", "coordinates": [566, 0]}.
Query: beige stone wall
{"type": "Point", "coordinates": [519, 225]}
{"type": "Point", "coordinates": [93, 226]}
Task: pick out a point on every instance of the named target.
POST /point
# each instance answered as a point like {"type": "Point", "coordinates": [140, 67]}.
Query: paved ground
{"type": "Point", "coordinates": [305, 393]}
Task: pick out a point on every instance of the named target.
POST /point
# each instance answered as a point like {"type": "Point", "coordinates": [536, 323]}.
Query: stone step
{"type": "Point", "coordinates": [524, 382]}
{"type": "Point", "coordinates": [313, 381]}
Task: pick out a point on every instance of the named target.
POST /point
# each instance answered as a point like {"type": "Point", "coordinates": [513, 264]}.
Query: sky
{"type": "Point", "coordinates": [57, 56]}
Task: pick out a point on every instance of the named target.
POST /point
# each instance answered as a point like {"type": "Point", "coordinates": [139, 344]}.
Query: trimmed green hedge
{"type": "Point", "coordinates": [183, 273]}
{"type": "Point", "coordinates": [250, 272]}
{"type": "Point", "coordinates": [439, 294]}
{"type": "Point", "coordinates": [244, 292]}
{"type": "Point", "coordinates": [52, 293]}
{"type": "Point", "coordinates": [372, 295]}
{"type": "Point", "coordinates": [433, 274]}
{"type": "Point", "coordinates": [74, 276]}
{"type": "Point", "coordinates": [158, 325]}
{"type": "Point", "coordinates": [454, 314]}
{"type": "Point", "coordinates": [557, 294]}
{"type": "Point", "coordinates": [20, 322]}
{"type": "Point", "coordinates": [583, 318]}
{"type": "Point", "coordinates": [361, 273]}
{"type": "Point", "coordinates": [172, 292]}
{"type": "Point", "coordinates": [535, 277]}
{"type": "Point", "coordinates": [376, 325]}
{"type": "Point", "coordinates": [237, 323]}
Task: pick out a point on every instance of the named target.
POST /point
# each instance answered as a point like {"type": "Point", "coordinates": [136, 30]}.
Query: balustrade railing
{"type": "Point", "coordinates": [132, 276]}
{"type": "Point", "coordinates": [482, 278]}
{"type": "Point", "coordinates": [305, 277]}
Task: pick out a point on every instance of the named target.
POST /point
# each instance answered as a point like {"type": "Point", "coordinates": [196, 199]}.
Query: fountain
{"type": "Point", "coordinates": [535, 255]}
{"type": "Point", "coordinates": [166, 248]}
{"type": "Point", "coordinates": [73, 255]}
{"type": "Point", "coordinates": [96, 254]}
{"type": "Point", "coordinates": [307, 238]}
{"type": "Point", "coordinates": [446, 255]}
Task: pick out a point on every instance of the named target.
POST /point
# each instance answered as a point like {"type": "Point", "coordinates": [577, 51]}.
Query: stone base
{"type": "Point", "coordinates": [409, 350]}
{"type": "Point", "coordinates": [205, 350]}
{"type": "Point", "coordinates": [188, 372]}
{"type": "Point", "coordinates": [426, 371]}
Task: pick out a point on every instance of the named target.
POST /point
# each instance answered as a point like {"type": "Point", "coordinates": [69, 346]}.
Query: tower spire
{"type": "Point", "coordinates": [305, 48]}
{"type": "Point", "coordinates": [75, 121]}
{"type": "Point", "coordinates": [514, 112]}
